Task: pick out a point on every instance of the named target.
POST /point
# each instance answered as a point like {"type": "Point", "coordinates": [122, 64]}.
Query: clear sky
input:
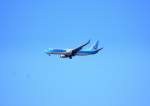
{"type": "Point", "coordinates": [118, 76]}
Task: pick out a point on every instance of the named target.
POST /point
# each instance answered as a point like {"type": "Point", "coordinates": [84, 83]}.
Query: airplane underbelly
{"type": "Point", "coordinates": [57, 53]}
{"type": "Point", "coordinates": [82, 54]}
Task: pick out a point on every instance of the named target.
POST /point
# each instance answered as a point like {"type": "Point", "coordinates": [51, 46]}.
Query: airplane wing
{"type": "Point", "coordinates": [76, 50]}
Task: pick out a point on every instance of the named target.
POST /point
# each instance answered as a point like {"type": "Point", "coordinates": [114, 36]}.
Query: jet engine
{"type": "Point", "coordinates": [69, 51]}
{"type": "Point", "coordinates": [63, 56]}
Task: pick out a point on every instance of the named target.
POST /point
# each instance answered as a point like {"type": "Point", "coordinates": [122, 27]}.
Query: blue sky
{"type": "Point", "coordinates": [117, 76]}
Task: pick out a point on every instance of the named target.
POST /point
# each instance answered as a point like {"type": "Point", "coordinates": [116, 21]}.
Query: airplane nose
{"type": "Point", "coordinates": [45, 51]}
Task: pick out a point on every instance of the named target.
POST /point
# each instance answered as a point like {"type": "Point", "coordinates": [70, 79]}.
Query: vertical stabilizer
{"type": "Point", "coordinates": [95, 46]}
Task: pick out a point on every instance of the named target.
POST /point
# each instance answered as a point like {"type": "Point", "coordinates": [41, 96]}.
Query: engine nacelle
{"type": "Point", "coordinates": [69, 50]}
{"type": "Point", "coordinates": [63, 56]}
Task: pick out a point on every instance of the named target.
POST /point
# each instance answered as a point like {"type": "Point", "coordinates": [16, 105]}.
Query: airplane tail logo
{"type": "Point", "coordinates": [95, 46]}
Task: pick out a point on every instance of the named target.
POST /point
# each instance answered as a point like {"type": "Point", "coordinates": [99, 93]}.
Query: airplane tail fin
{"type": "Point", "coordinates": [95, 46]}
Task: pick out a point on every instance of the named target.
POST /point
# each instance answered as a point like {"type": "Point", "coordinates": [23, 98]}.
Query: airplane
{"type": "Point", "coordinates": [69, 53]}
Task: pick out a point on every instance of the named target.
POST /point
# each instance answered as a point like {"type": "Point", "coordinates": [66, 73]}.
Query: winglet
{"type": "Point", "coordinates": [88, 41]}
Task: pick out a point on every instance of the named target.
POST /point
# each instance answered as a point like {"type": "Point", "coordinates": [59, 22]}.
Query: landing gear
{"type": "Point", "coordinates": [70, 57]}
